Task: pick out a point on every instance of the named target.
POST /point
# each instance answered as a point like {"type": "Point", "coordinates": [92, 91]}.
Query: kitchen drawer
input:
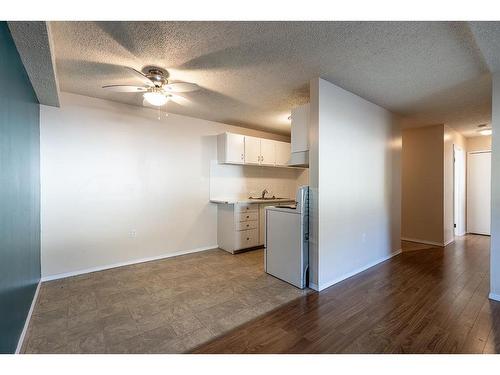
{"type": "Point", "coordinates": [246, 238]}
{"type": "Point", "coordinates": [244, 225]}
{"type": "Point", "coordinates": [246, 208]}
{"type": "Point", "coordinates": [247, 216]}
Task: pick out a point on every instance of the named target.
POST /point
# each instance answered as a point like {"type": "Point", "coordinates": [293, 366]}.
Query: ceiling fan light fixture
{"type": "Point", "coordinates": [485, 132]}
{"type": "Point", "coordinates": [155, 98]}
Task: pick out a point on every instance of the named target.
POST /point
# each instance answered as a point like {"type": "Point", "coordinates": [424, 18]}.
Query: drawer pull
{"type": "Point", "coordinates": [248, 238]}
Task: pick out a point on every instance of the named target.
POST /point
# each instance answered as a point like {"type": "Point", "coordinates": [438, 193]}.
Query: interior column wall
{"type": "Point", "coordinates": [355, 190]}
{"type": "Point", "coordinates": [451, 137]}
{"type": "Point", "coordinates": [495, 192]}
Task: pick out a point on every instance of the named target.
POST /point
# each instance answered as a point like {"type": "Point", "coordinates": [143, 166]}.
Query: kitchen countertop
{"type": "Point", "coordinates": [246, 201]}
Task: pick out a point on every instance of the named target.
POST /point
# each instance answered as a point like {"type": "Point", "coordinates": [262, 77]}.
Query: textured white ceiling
{"type": "Point", "coordinates": [253, 73]}
{"type": "Point", "coordinates": [34, 44]}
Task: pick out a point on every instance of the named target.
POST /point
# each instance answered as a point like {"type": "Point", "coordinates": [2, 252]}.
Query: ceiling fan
{"type": "Point", "coordinates": [157, 89]}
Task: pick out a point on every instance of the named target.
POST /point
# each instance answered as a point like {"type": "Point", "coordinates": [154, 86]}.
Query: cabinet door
{"type": "Point", "coordinates": [282, 153]}
{"type": "Point", "coordinates": [267, 152]}
{"type": "Point", "coordinates": [252, 150]}
{"type": "Point", "coordinates": [235, 148]}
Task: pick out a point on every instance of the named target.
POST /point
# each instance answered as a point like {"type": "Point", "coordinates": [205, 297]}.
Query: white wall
{"type": "Point", "coordinates": [120, 185]}
{"type": "Point", "coordinates": [480, 143]}
{"type": "Point", "coordinates": [358, 177]}
{"type": "Point", "coordinates": [495, 192]}
{"type": "Point", "coordinates": [241, 182]}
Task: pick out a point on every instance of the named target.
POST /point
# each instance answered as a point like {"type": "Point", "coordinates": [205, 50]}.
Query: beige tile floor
{"type": "Point", "coordinates": [165, 306]}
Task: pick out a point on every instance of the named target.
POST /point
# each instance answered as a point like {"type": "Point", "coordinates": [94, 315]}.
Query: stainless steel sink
{"type": "Point", "coordinates": [267, 198]}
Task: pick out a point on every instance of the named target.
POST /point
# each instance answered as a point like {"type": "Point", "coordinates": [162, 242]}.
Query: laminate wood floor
{"type": "Point", "coordinates": [433, 300]}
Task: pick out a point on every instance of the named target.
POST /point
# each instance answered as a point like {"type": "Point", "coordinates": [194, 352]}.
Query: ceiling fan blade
{"type": "Point", "coordinates": [125, 88]}
{"type": "Point", "coordinates": [141, 76]}
{"type": "Point", "coordinates": [181, 87]}
{"type": "Point", "coordinates": [177, 99]}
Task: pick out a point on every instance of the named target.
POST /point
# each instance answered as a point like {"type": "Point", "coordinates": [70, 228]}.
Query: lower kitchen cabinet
{"type": "Point", "coordinates": [238, 226]}
{"type": "Point", "coordinates": [241, 226]}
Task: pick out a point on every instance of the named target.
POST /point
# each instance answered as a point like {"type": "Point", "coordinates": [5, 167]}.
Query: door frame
{"type": "Point", "coordinates": [459, 190]}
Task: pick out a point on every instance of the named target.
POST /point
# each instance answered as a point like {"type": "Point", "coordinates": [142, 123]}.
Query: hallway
{"type": "Point", "coordinates": [431, 300]}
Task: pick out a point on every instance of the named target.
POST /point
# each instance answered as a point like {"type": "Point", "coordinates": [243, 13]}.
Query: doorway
{"type": "Point", "coordinates": [459, 190]}
{"type": "Point", "coordinates": [479, 192]}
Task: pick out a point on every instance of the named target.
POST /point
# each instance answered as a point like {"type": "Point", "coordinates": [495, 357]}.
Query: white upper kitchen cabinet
{"type": "Point", "coordinates": [231, 148]}
{"type": "Point", "coordinates": [282, 153]}
{"type": "Point", "coordinates": [243, 149]}
{"type": "Point", "coordinates": [267, 152]}
{"type": "Point", "coordinates": [252, 150]}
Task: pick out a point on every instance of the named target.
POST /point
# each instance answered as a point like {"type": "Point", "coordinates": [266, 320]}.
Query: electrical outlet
{"type": "Point", "coordinates": [363, 237]}
{"type": "Point", "coordinates": [132, 234]}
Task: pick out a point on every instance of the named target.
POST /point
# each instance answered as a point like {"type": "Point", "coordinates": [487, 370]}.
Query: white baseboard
{"type": "Point", "coordinates": [422, 241]}
{"type": "Point", "coordinates": [127, 263]}
{"type": "Point", "coordinates": [355, 272]}
{"type": "Point", "coordinates": [313, 286]}
{"type": "Point", "coordinates": [28, 318]}
{"type": "Point", "coordinates": [494, 296]}
{"type": "Point", "coordinates": [449, 241]}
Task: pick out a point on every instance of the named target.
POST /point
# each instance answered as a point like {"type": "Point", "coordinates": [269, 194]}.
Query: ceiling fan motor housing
{"type": "Point", "coordinates": [157, 76]}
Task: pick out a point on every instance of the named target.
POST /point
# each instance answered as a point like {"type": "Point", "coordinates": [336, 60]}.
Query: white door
{"type": "Point", "coordinates": [459, 190]}
{"type": "Point", "coordinates": [267, 152]}
{"type": "Point", "coordinates": [235, 148]}
{"type": "Point", "coordinates": [282, 153]}
{"type": "Point", "coordinates": [479, 192]}
{"type": "Point", "coordinates": [252, 150]}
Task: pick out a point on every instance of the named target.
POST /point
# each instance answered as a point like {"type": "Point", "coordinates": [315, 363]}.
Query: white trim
{"type": "Point", "coordinates": [478, 152]}
{"type": "Point", "coordinates": [28, 319]}
{"type": "Point", "coordinates": [494, 296]}
{"type": "Point", "coordinates": [448, 242]}
{"type": "Point", "coordinates": [127, 263]}
{"type": "Point", "coordinates": [313, 286]}
{"type": "Point", "coordinates": [422, 241]}
{"type": "Point", "coordinates": [355, 272]}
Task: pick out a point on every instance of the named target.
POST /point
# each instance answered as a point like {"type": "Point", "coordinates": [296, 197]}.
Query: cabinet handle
{"type": "Point", "coordinates": [248, 238]}
{"type": "Point", "coordinates": [248, 217]}
{"type": "Point", "coordinates": [248, 225]}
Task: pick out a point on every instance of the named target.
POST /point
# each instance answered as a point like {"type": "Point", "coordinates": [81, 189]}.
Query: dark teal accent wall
{"type": "Point", "coordinates": [19, 193]}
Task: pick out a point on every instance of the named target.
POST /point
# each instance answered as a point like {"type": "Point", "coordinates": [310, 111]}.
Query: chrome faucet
{"type": "Point", "coordinates": [264, 192]}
